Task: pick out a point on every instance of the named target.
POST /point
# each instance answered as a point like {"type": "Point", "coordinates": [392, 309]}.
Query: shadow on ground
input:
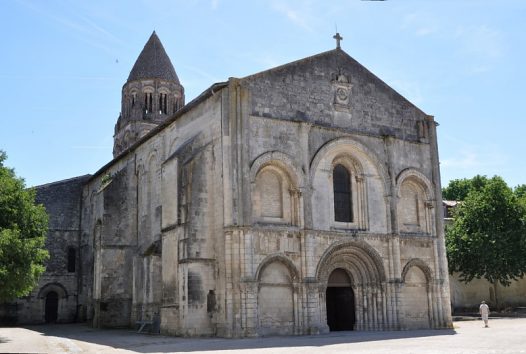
{"type": "Point", "coordinates": [143, 343]}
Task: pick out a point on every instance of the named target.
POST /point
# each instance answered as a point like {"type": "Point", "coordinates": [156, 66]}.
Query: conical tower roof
{"type": "Point", "coordinates": [153, 63]}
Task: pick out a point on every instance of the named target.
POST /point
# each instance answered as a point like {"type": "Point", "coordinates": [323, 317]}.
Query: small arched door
{"type": "Point", "coordinates": [340, 302]}
{"type": "Point", "coordinates": [51, 309]}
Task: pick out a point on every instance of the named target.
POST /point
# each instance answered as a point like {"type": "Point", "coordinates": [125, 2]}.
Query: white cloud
{"type": "Point", "coordinates": [409, 89]}
{"type": "Point", "coordinates": [201, 73]}
{"type": "Point", "coordinates": [474, 158]}
{"type": "Point", "coordinates": [478, 45]}
{"type": "Point", "coordinates": [424, 31]}
{"type": "Point", "coordinates": [480, 41]}
{"type": "Point", "coordinates": [79, 26]}
{"type": "Point", "coordinates": [268, 60]}
{"type": "Point", "coordinates": [300, 16]}
{"type": "Point", "coordinates": [420, 24]}
{"type": "Point", "coordinates": [470, 161]}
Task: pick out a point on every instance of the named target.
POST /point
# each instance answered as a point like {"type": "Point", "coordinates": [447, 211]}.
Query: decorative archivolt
{"type": "Point", "coordinates": [56, 287]}
{"type": "Point", "coordinates": [417, 262]}
{"type": "Point", "coordinates": [280, 160]}
{"type": "Point", "coordinates": [357, 155]}
{"type": "Point", "coordinates": [276, 193]}
{"type": "Point", "coordinates": [277, 296]}
{"type": "Point", "coordinates": [334, 206]}
{"type": "Point", "coordinates": [282, 259]}
{"type": "Point", "coordinates": [417, 177]}
{"type": "Point", "coordinates": [349, 162]}
{"type": "Point", "coordinates": [361, 261]}
{"type": "Point", "coordinates": [148, 89]}
{"type": "Point", "coordinates": [415, 202]}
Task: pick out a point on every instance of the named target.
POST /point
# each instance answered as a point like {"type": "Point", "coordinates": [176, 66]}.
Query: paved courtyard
{"type": "Point", "coordinates": [503, 336]}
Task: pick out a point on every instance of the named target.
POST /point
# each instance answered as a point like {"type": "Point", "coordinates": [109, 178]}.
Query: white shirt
{"type": "Point", "coordinates": [484, 309]}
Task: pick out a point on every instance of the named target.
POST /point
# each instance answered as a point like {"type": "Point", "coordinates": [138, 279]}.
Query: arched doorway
{"type": "Point", "coordinates": [340, 302]}
{"type": "Point", "coordinates": [51, 310]}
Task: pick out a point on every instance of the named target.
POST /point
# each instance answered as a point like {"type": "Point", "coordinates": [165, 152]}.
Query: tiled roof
{"type": "Point", "coordinates": [153, 63]}
{"type": "Point", "coordinates": [450, 203]}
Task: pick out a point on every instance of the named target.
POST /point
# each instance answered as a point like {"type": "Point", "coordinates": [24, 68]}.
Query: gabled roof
{"type": "Point", "coordinates": [153, 63]}
{"type": "Point", "coordinates": [327, 53]}
{"type": "Point", "coordinates": [339, 58]}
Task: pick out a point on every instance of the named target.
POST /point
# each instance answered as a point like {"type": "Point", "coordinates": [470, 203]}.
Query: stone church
{"type": "Point", "coordinates": [299, 200]}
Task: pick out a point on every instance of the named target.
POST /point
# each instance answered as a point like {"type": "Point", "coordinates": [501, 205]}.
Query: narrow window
{"type": "Point", "coordinates": [72, 259]}
{"type": "Point", "coordinates": [342, 194]}
{"type": "Point", "coordinates": [148, 102]}
{"type": "Point", "coordinates": [162, 103]}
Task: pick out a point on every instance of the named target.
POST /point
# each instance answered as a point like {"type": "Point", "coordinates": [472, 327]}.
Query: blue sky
{"type": "Point", "coordinates": [63, 64]}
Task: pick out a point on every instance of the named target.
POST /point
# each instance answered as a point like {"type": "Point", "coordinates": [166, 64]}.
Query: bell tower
{"type": "Point", "coordinates": [151, 94]}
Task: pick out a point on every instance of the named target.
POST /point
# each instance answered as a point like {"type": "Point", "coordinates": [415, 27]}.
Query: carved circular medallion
{"type": "Point", "coordinates": [342, 94]}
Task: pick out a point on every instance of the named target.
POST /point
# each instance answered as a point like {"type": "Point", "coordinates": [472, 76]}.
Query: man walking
{"type": "Point", "coordinates": [484, 312]}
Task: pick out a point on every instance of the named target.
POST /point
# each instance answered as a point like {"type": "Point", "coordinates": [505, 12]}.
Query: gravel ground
{"type": "Point", "coordinates": [503, 336]}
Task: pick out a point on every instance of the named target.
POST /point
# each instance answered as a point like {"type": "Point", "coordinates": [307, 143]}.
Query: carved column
{"type": "Point", "coordinates": [295, 206]}
{"type": "Point", "coordinates": [363, 222]}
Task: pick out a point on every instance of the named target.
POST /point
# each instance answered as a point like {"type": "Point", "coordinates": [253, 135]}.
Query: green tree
{"type": "Point", "coordinates": [488, 236]}
{"type": "Point", "coordinates": [520, 191]}
{"type": "Point", "coordinates": [23, 229]}
{"type": "Point", "coordinates": [458, 189]}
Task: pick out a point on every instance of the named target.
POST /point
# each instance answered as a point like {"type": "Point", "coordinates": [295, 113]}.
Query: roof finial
{"type": "Point", "coordinates": [338, 39]}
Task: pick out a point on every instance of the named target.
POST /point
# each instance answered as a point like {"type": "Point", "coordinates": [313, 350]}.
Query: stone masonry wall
{"type": "Point", "coordinates": [62, 201]}
{"type": "Point", "coordinates": [300, 118]}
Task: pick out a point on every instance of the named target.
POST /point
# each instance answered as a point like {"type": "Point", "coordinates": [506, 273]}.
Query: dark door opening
{"type": "Point", "coordinates": [51, 311]}
{"type": "Point", "coordinates": [340, 302]}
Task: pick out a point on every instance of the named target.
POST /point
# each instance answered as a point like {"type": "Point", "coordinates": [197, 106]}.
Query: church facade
{"type": "Point", "coordinates": [299, 200]}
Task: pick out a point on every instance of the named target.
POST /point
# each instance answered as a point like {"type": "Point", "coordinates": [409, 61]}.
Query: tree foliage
{"type": "Point", "coordinates": [458, 189]}
{"type": "Point", "coordinates": [488, 236]}
{"type": "Point", "coordinates": [520, 191]}
{"type": "Point", "coordinates": [23, 229]}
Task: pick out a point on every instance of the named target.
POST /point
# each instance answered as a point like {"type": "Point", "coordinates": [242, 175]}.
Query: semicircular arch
{"type": "Point", "coordinates": [367, 159]}
{"type": "Point", "coordinates": [281, 160]}
{"type": "Point", "coordinates": [352, 255]}
{"type": "Point", "coordinates": [418, 177]}
{"type": "Point", "coordinates": [56, 287]}
{"type": "Point", "coordinates": [277, 257]}
{"type": "Point", "coordinates": [419, 263]}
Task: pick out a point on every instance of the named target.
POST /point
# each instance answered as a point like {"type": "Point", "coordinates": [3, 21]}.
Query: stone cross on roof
{"type": "Point", "coordinates": [338, 39]}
